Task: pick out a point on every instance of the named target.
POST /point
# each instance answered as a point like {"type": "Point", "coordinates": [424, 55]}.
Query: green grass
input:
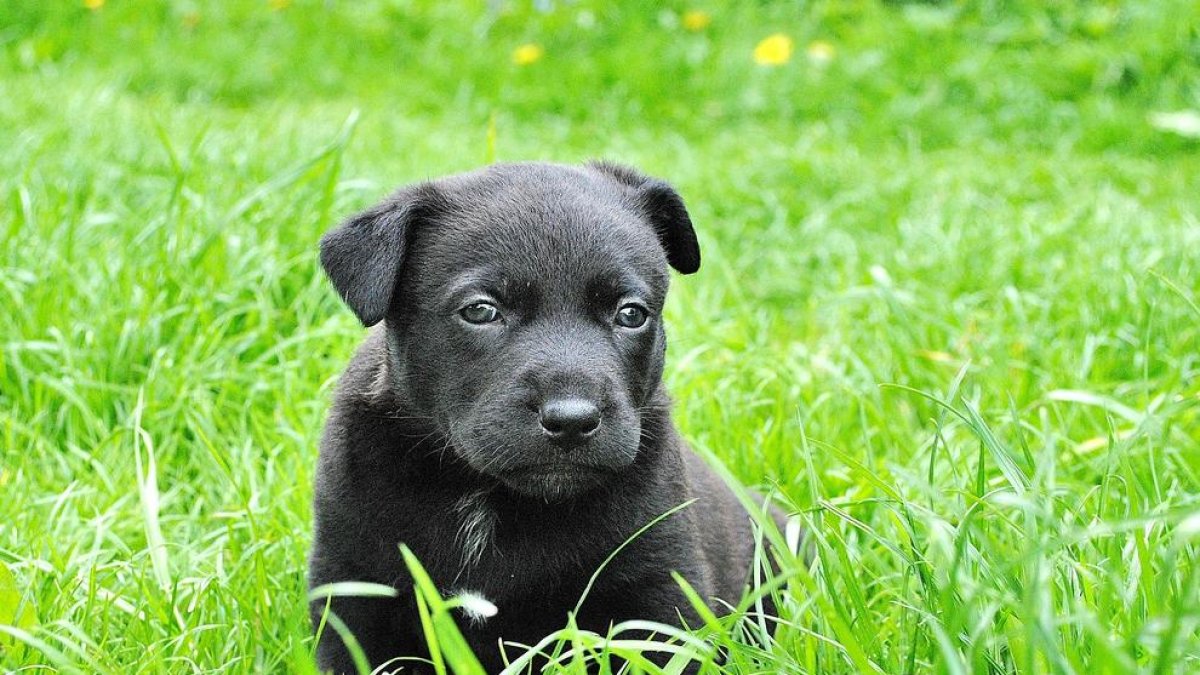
{"type": "Point", "coordinates": [949, 307]}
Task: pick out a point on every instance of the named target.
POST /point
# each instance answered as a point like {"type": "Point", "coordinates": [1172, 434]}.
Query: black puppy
{"type": "Point", "coordinates": [508, 420]}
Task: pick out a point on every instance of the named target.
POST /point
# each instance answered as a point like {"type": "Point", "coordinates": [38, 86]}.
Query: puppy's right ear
{"type": "Point", "coordinates": [363, 255]}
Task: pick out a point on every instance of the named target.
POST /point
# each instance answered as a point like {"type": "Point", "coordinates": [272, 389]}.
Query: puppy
{"type": "Point", "coordinates": [507, 420]}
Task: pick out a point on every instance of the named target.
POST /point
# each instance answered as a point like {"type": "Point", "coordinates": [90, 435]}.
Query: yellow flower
{"type": "Point", "coordinates": [279, 5]}
{"type": "Point", "coordinates": [696, 20]}
{"type": "Point", "coordinates": [774, 50]}
{"type": "Point", "coordinates": [933, 355]}
{"type": "Point", "coordinates": [191, 20]}
{"type": "Point", "coordinates": [93, 4]}
{"type": "Point", "coordinates": [820, 51]}
{"type": "Point", "coordinates": [527, 53]}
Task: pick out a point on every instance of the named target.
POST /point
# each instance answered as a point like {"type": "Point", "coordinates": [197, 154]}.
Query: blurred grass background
{"type": "Point", "coordinates": [991, 203]}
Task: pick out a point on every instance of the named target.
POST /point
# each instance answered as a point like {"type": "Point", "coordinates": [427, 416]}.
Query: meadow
{"type": "Point", "coordinates": [948, 311]}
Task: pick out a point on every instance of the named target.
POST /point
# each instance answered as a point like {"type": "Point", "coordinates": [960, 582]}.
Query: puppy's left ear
{"type": "Point", "coordinates": [665, 210]}
{"type": "Point", "coordinates": [363, 256]}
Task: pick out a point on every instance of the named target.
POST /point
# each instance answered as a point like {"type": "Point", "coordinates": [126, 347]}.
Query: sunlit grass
{"type": "Point", "coordinates": [948, 310]}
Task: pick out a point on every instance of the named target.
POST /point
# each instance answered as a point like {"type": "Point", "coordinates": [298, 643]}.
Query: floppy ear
{"type": "Point", "coordinates": [665, 210]}
{"type": "Point", "coordinates": [363, 255]}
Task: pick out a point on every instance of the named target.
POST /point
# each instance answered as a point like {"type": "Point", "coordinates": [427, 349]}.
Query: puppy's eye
{"type": "Point", "coordinates": [479, 312]}
{"type": "Point", "coordinates": [632, 316]}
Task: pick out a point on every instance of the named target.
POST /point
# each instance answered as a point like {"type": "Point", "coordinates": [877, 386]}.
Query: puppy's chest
{"type": "Point", "coordinates": [509, 553]}
{"type": "Point", "coordinates": [476, 541]}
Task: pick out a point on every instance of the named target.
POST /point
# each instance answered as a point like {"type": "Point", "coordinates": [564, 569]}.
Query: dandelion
{"type": "Point", "coordinates": [93, 4]}
{"type": "Point", "coordinates": [936, 356]}
{"type": "Point", "coordinates": [477, 608]}
{"type": "Point", "coordinates": [820, 51]}
{"type": "Point", "coordinates": [696, 20]}
{"type": "Point", "coordinates": [527, 53]}
{"type": "Point", "coordinates": [774, 50]}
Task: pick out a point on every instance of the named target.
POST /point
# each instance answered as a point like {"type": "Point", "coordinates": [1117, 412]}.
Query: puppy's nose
{"type": "Point", "coordinates": [569, 420]}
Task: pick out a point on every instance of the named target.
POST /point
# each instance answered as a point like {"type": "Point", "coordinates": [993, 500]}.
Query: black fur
{"type": "Point", "coordinates": [437, 437]}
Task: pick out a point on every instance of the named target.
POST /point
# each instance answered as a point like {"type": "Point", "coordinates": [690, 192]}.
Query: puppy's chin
{"type": "Point", "coordinates": [554, 483]}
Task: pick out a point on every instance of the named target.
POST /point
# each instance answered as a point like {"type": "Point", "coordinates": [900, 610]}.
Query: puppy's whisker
{"type": "Point", "coordinates": [440, 450]}
{"type": "Point", "coordinates": [498, 455]}
{"type": "Point", "coordinates": [421, 439]}
{"type": "Point", "coordinates": [398, 416]}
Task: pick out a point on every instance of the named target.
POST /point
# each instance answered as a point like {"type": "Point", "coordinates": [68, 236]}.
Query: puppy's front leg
{"type": "Point", "coordinates": [373, 623]}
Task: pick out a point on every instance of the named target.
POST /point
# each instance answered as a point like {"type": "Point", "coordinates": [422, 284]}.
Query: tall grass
{"type": "Point", "coordinates": [948, 310]}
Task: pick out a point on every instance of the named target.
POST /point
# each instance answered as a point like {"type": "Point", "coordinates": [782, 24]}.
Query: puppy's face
{"type": "Point", "coordinates": [525, 318]}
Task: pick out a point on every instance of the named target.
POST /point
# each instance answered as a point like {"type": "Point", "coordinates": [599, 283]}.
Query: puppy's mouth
{"type": "Point", "coordinates": [523, 460]}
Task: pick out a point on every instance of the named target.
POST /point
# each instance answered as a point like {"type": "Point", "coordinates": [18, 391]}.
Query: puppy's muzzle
{"type": "Point", "coordinates": [569, 421]}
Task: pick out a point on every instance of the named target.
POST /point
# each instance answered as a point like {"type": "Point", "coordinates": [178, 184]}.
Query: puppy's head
{"type": "Point", "coordinates": [523, 305]}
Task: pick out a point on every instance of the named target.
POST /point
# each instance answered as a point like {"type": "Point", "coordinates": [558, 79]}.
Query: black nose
{"type": "Point", "coordinates": [569, 420]}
